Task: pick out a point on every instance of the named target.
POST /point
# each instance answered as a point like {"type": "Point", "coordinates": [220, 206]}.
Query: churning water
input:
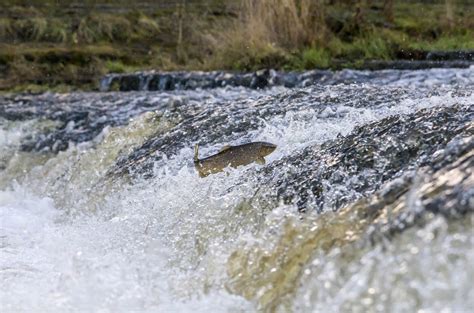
{"type": "Point", "coordinates": [101, 209]}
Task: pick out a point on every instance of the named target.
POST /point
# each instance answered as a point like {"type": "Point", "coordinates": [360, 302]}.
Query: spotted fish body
{"type": "Point", "coordinates": [233, 156]}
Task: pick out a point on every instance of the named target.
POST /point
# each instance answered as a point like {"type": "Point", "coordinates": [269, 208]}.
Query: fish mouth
{"type": "Point", "coordinates": [267, 148]}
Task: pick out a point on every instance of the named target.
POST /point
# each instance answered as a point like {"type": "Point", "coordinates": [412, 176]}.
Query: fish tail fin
{"type": "Point", "coordinates": [196, 153]}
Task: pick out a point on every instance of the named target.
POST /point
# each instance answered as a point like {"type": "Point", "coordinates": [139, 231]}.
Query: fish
{"type": "Point", "coordinates": [232, 156]}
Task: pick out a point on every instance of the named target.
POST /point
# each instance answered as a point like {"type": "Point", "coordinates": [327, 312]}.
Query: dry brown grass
{"type": "Point", "coordinates": [265, 31]}
{"type": "Point", "coordinates": [43, 46]}
{"type": "Point", "coordinates": [285, 23]}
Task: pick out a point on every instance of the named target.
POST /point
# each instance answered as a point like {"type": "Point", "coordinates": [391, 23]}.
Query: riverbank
{"type": "Point", "coordinates": [45, 46]}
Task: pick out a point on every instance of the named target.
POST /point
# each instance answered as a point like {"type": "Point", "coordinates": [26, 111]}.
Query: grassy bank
{"type": "Point", "coordinates": [64, 47]}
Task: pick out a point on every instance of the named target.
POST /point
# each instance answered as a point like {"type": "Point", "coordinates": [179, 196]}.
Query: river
{"type": "Point", "coordinates": [365, 206]}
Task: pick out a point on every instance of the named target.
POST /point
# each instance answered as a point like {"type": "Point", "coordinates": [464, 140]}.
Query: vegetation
{"type": "Point", "coordinates": [46, 45]}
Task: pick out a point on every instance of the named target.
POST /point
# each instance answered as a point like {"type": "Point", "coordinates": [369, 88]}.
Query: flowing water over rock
{"type": "Point", "coordinates": [404, 74]}
{"type": "Point", "coordinates": [366, 205]}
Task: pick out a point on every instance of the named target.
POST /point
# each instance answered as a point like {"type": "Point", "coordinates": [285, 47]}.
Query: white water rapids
{"type": "Point", "coordinates": [162, 245]}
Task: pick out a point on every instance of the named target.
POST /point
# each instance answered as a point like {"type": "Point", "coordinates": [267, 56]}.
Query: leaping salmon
{"type": "Point", "coordinates": [232, 156]}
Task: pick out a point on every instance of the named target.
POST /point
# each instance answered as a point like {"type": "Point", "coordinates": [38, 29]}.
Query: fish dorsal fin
{"type": "Point", "coordinates": [224, 148]}
{"type": "Point", "coordinates": [196, 153]}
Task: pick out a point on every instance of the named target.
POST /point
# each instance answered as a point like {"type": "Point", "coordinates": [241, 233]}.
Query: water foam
{"type": "Point", "coordinates": [162, 245]}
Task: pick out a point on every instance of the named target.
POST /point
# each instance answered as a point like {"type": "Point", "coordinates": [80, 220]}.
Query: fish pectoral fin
{"type": "Point", "coordinates": [224, 148]}
{"type": "Point", "coordinates": [260, 161]}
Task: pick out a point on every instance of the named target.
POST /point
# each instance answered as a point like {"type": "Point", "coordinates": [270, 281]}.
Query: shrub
{"type": "Point", "coordinates": [5, 29]}
{"type": "Point", "coordinates": [56, 31]}
{"type": "Point", "coordinates": [31, 29]}
{"type": "Point", "coordinates": [314, 58]}
{"type": "Point", "coordinates": [146, 27]}
{"type": "Point", "coordinates": [94, 29]}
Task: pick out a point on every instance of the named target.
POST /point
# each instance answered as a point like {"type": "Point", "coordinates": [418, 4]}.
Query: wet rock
{"type": "Point", "coordinates": [231, 121]}
{"type": "Point", "coordinates": [446, 190]}
{"type": "Point", "coordinates": [82, 117]}
{"type": "Point", "coordinates": [161, 82]}
{"type": "Point", "coordinates": [292, 244]}
{"type": "Point", "coordinates": [265, 78]}
{"type": "Point", "coordinates": [411, 55]}
{"type": "Point", "coordinates": [450, 56]}
{"type": "Point", "coordinates": [417, 65]}
{"type": "Point", "coordinates": [260, 79]}
{"type": "Point", "coordinates": [340, 171]}
{"type": "Point", "coordinates": [130, 82]}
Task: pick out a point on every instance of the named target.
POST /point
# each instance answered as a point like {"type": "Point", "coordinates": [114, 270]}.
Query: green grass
{"type": "Point", "coordinates": [446, 42]}
{"type": "Point", "coordinates": [245, 55]}
{"type": "Point", "coordinates": [118, 67]}
{"type": "Point", "coordinates": [370, 46]}
{"type": "Point", "coordinates": [310, 59]}
{"type": "Point", "coordinates": [40, 88]}
{"type": "Point", "coordinates": [42, 48]}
